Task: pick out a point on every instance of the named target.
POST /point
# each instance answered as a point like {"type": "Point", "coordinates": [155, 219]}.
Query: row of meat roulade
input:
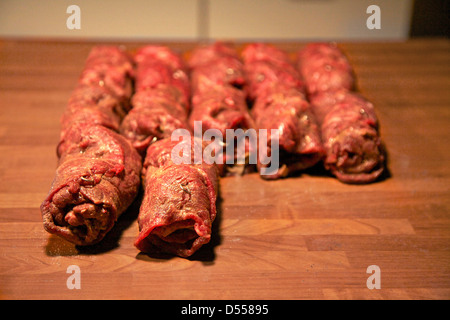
{"type": "Point", "coordinates": [117, 135]}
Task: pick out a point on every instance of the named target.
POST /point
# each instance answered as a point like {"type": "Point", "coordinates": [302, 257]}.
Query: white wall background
{"type": "Point", "coordinates": [195, 19]}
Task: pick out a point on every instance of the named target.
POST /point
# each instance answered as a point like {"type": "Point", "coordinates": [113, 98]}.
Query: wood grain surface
{"type": "Point", "coordinates": [306, 237]}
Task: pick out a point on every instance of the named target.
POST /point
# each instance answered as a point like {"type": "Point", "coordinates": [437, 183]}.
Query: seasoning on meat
{"type": "Point", "coordinates": [178, 205]}
{"type": "Point", "coordinates": [349, 126]}
{"type": "Point", "coordinates": [277, 92]}
{"type": "Point", "coordinates": [161, 100]}
{"type": "Point", "coordinates": [299, 143]}
{"type": "Point", "coordinates": [109, 67]}
{"type": "Point", "coordinates": [218, 102]}
{"type": "Point", "coordinates": [324, 67]}
{"type": "Point", "coordinates": [354, 151]}
{"type": "Point", "coordinates": [179, 202]}
{"type": "Point", "coordinates": [98, 172]}
{"type": "Point", "coordinates": [97, 178]}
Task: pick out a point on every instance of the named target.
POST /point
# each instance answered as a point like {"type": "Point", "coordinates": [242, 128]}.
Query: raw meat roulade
{"type": "Point", "coordinates": [159, 64]}
{"type": "Point", "coordinates": [161, 101]}
{"type": "Point", "coordinates": [179, 203]}
{"type": "Point", "coordinates": [109, 67]}
{"type": "Point", "coordinates": [267, 66]}
{"type": "Point", "coordinates": [97, 178]}
{"type": "Point", "coordinates": [219, 63]}
{"type": "Point", "coordinates": [93, 104]}
{"type": "Point", "coordinates": [349, 126]}
{"type": "Point", "coordinates": [299, 144]}
{"type": "Point", "coordinates": [324, 67]}
{"type": "Point", "coordinates": [219, 103]}
{"type": "Point", "coordinates": [354, 152]}
{"type": "Point", "coordinates": [155, 115]}
{"type": "Point", "coordinates": [277, 92]}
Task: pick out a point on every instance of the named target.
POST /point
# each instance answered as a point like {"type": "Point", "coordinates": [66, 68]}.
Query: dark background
{"type": "Point", "coordinates": [430, 18]}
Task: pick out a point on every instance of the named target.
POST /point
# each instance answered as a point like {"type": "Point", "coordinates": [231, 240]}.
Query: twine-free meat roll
{"type": "Point", "coordinates": [218, 63]}
{"type": "Point", "coordinates": [178, 205]}
{"type": "Point", "coordinates": [348, 122]}
{"type": "Point", "coordinates": [93, 104]}
{"type": "Point", "coordinates": [110, 67]}
{"type": "Point", "coordinates": [276, 89]}
{"type": "Point", "coordinates": [266, 67]}
{"type": "Point", "coordinates": [97, 178]}
{"type": "Point", "coordinates": [298, 143]}
{"type": "Point", "coordinates": [98, 172]}
{"type": "Point", "coordinates": [179, 202]}
{"type": "Point", "coordinates": [219, 103]}
{"type": "Point", "coordinates": [160, 103]}
{"type": "Point", "coordinates": [325, 67]}
{"type": "Point", "coordinates": [156, 113]}
{"type": "Point", "coordinates": [160, 64]}
{"type": "Point", "coordinates": [221, 108]}
{"type": "Point", "coordinates": [102, 94]}
{"type": "Point", "coordinates": [350, 133]}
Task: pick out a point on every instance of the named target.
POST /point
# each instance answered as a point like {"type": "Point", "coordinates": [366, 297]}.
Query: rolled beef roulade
{"type": "Point", "coordinates": [348, 122]}
{"type": "Point", "coordinates": [224, 109]}
{"type": "Point", "coordinates": [267, 67]}
{"type": "Point", "coordinates": [93, 104]}
{"type": "Point", "coordinates": [98, 172]}
{"type": "Point", "coordinates": [298, 143]}
{"type": "Point", "coordinates": [350, 133]}
{"type": "Point", "coordinates": [102, 95]}
{"type": "Point", "coordinates": [156, 113]}
{"type": "Point", "coordinates": [160, 103]}
{"type": "Point", "coordinates": [97, 178]}
{"type": "Point", "coordinates": [276, 89]}
{"type": "Point", "coordinates": [219, 103]}
{"type": "Point", "coordinates": [110, 67]}
{"type": "Point", "coordinates": [179, 203]}
{"type": "Point", "coordinates": [324, 67]}
{"type": "Point", "coordinates": [218, 63]}
{"type": "Point", "coordinates": [160, 64]}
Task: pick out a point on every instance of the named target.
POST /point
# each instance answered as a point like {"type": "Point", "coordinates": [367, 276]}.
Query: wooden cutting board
{"type": "Point", "coordinates": [306, 237]}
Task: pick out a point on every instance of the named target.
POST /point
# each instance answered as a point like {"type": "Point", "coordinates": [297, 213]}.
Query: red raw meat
{"type": "Point", "coordinates": [178, 206]}
{"type": "Point", "coordinates": [220, 107]}
{"type": "Point", "coordinates": [324, 67]}
{"type": "Point", "coordinates": [102, 95]}
{"type": "Point", "coordinates": [98, 173]}
{"type": "Point", "coordinates": [159, 64]}
{"type": "Point", "coordinates": [218, 63]}
{"type": "Point", "coordinates": [156, 113]}
{"type": "Point", "coordinates": [97, 178]}
{"type": "Point", "coordinates": [93, 104]}
{"type": "Point", "coordinates": [276, 88]}
{"type": "Point", "coordinates": [300, 145]}
{"type": "Point", "coordinates": [217, 100]}
{"type": "Point", "coordinates": [110, 67]}
{"type": "Point", "coordinates": [349, 127]}
{"type": "Point", "coordinates": [179, 203]}
{"type": "Point", "coordinates": [161, 100]}
{"type": "Point", "coordinates": [268, 68]}
{"type": "Point", "coordinates": [204, 54]}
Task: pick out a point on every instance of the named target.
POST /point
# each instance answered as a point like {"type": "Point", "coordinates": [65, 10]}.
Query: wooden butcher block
{"type": "Point", "coordinates": [305, 237]}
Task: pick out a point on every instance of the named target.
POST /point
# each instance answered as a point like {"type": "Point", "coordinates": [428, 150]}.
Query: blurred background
{"type": "Point", "coordinates": [225, 19]}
